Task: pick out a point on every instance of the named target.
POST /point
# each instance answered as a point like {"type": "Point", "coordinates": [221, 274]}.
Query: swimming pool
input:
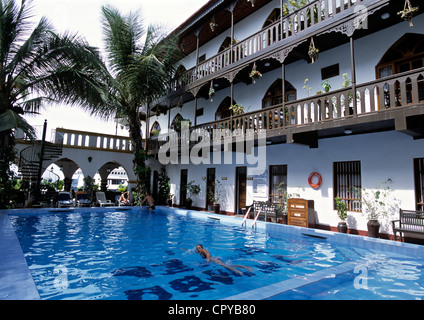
{"type": "Point", "coordinates": [138, 254]}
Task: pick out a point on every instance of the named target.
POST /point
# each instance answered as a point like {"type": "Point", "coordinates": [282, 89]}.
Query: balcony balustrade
{"type": "Point", "coordinates": [404, 90]}
{"type": "Point", "coordinates": [94, 141]}
{"type": "Point", "coordinates": [286, 28]}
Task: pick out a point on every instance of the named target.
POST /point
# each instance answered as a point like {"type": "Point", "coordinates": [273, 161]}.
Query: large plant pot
{"type": "Point", "coordinates": [216, 208]}
{"type": "Point", "coordinates": [284, 218]}
{"type": "Point", "coordinates": [373, 228]}
{"type": "Point", "coordinates": [342, 227]}
{"type": "Point", "coordinates": [188, 203]}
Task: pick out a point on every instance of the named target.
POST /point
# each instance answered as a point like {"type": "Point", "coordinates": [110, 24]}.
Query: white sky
{"type": "Point", "coordinates": [83, 17]}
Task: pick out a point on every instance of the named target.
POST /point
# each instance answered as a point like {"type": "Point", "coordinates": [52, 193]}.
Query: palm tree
{"type": "Point", "coordinates": [38, 67]}
{"type": "Point", "coordinates": [141, 62]}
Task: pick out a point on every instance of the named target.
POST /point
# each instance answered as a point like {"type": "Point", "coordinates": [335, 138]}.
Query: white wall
{"type": "Point", "coordinates": [379, 159]}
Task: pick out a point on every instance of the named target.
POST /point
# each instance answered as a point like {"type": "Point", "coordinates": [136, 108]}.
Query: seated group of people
{"type": "Point", "coordinates": [125, 200]}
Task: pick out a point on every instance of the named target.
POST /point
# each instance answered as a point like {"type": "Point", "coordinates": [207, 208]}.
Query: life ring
{"type": "Point", "coordinates": [311, 178]}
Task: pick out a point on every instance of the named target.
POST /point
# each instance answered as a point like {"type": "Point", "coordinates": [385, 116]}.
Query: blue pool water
{"type": "Point", "coordinates": [139, 254]}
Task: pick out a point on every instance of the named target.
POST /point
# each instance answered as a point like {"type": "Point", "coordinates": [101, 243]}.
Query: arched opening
{"type": "Point", "coordinates": [274, 95]}
{"type": "Point", "coordinates": [180, 77]}
{"type": "Point", "coordinates": [226, 44]}
{"type": "Point", "coordinates": [274, 16]}
{"type": "Point", "coordinates": [223, 110]}
{"type": "Point", "coordinates": [155, 129]}
{"type": "Point", "coordinates": [404, 55]}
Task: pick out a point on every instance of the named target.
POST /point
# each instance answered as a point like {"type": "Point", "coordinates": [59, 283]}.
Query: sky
{"type": "Point", "coordinates": [83, 17]}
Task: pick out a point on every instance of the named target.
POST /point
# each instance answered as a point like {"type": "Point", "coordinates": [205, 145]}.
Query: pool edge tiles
{"type": "Point", "coordinates": [275, 289]}
{"type": "Point", "coordinates": [16, 282]}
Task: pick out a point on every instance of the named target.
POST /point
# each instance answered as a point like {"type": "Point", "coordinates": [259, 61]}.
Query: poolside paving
{"type": "Point", "coordinates": [16, 282]}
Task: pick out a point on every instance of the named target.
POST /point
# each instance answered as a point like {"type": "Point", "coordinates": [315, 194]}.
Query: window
{"type": "Point", "coordinates": [274, 95]}
{"type": "Point", "coordinates": [419, 183]}
{"type": "Point", "coordinates": [223, 110]}
{"type": "Point", "coordinates": [347, 180]}
{"type": "Point", "coordinates": [155, 130]}
{"type": "Point", "coordinates": [330, 71]}
{"type": "Point", "coordinates": [405, 55]}
{"type": "Point", "coordinates": [278, 183]}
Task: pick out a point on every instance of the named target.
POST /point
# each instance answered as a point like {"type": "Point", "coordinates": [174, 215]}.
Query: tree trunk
{"type": "Point", "coordinates": [140, 157]}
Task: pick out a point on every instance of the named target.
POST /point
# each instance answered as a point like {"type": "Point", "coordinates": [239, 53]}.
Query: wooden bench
{"type": "Point", "coordinates": [410, 222]}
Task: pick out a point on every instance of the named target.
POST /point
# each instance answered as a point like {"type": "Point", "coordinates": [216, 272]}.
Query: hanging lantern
{"type": "Point", "coordinates": [408, 12]}
{"type": "Point", "coordinates": [255, 74]}
{"type": "Point", "coordinates": [313, 51]}
{"type": "Point", "coordinates": [252, 2]}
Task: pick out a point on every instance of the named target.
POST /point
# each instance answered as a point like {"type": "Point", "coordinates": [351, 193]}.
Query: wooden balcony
{"type": "Point", "coordinates": [280, 33]}
{"type": "Point", "coordinates": [391, 103]}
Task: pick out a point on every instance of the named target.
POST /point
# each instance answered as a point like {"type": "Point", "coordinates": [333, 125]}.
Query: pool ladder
{"type": "Point", "coordinates": [254, 221]}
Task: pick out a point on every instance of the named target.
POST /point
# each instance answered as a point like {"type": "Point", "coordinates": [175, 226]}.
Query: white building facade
{"type": "Point", "coordinates": [301, 114]}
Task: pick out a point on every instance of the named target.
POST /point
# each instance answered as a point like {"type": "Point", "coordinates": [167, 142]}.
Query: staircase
{"type": "Point", "coordinates": [30, 158]}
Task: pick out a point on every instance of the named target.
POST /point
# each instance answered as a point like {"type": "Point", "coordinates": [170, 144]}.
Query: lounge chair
{"type": "Point", "coordinates": [101, 199]}
{"type": "Point", "coordinates": [81, 200]}
{"type": "Point", "coordinates": [64, 200]}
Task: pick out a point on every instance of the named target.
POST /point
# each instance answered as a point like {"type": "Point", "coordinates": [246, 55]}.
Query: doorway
{"type": "Point", "coordinates": [210, 186]}
{"type": "Point", "coordinates": [183, 184]}
{"type": "Point", "coordinates": [241, 178]}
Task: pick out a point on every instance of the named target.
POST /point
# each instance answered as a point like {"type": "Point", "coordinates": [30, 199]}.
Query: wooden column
{"type": "Point", "coordinates": [353, 71]}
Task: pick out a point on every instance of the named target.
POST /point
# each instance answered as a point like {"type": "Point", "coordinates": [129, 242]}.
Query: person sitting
{"type": "Point", "coordinates": [124, 199]}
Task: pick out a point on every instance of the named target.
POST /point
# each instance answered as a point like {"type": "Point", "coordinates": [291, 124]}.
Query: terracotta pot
{"type": "Point", "coordinates": [342, 227]}
{"type": "Point", "coordinates": [373, 228]}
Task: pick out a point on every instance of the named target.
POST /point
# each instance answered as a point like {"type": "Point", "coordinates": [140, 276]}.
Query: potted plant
{"type": "Point", "coordinates": [255, 74]}
{"type": "Point", "coordinates": [211, 197]}
{"type": "Point", "coordinates": [281, 206]}
{"type": "Point", "coordinates": [341, 208]}
{"type": "Point", "coordinates": [179, 124]}
{"type": "Point", "coordinates": [378, 203]}
{"type": "Point", "coordinates": [326, 86]}
{"type": "Point", "coordinates": [192, 190]}
{"type": "Point", "coordinates": [313, 52]}
{"type": "Point", "coordinates": [214, 195]}
{"type": "Point", "coordinates": [236, 109]}
{"type": "Point", "coordinates": [218, 192]}
{"type": "Point", "coordinates": [211, 93]}
{"type": "Point", "coordinates": [170, 199]}
{"type": "Point", "coordinates": [408, 12]}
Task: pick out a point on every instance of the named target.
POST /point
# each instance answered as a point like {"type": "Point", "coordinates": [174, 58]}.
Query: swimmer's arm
{"type": "Point", "coordinates": [207, 255]}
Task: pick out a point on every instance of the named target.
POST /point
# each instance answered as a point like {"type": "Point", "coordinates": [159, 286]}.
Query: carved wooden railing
{"type": "Point", "coordinates": [397, 91]}
{"type": "Point", "coordinates": [302, 19]}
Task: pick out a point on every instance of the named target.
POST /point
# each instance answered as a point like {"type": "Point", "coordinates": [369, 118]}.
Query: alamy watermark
{"type": "Point", "coordinates": [219, 146]}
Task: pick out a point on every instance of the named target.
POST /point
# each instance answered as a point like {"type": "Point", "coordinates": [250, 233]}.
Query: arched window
{"type": "Point", "coordinates": [274, 95]}
{"type": "Point", "coordinates": [155, 130]}
{"type": "Point", "coordinates": [405, 55]}
{"type": "Point", "coordinates": [177, 118]}
{"type": "Point", "coordinates": [225, 44]}
{"type": "Point", "coordinates": [273, 17]}
{"type": "Point", "coordinates": [181, 79]}
{"type": "Point", "coordinates": [223, 110]}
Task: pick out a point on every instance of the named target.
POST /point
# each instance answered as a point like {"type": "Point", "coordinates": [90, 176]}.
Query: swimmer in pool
{"type": "Point", "coordinates": [206, 255]}
{"type": "Point", "coordinates": [150, 201]}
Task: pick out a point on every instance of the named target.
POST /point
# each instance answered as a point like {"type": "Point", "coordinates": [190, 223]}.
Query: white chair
{"type": "Point", "coordinates": [101, 199]}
